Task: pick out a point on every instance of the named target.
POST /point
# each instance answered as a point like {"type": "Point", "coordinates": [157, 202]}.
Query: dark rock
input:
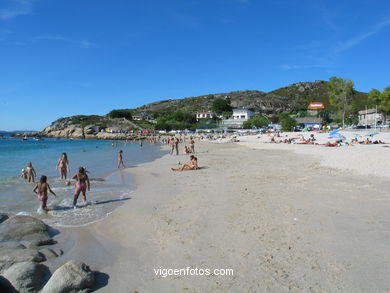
{"type": "Point", "coordinates": [73, 276]}
{"type": "Point", "coordinates": [6, 286]}
{"type": "Point", "coordinates": [27, 229]}
{"type": "Point", "coordinates": [26, 276]}
{"type": "Point", "coordinates": [3, 217]}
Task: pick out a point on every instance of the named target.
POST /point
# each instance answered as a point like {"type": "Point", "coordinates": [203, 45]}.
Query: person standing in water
{"type": "Point", "coordinates": [63, 166]}
{"type": "Point", "coordinates": [30, 171]}
{"type": "Point", "coordinates": [120, 159]}
{"type": "Point", "coordinates": [82, 183]}
{"type": "Point", "coordinates": [41, 189]}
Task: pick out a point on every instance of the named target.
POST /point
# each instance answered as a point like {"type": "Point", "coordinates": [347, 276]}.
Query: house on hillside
{"type": "Point", "coordinates": [240, 115]}
{"type": "Point", "coordinates": [205, 115]}
{"type": "Point", "coordinates": [314, 107]}
{"type": "Point", "coordinates": [142, 116]}
{"type": "Point", "coordinates": [310, 122]}
{"type": "Point", "coordinates": [370, 117]}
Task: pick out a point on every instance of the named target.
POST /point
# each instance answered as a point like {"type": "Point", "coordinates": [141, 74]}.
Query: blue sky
{"type": "Point", "coordinates": [67, 57]}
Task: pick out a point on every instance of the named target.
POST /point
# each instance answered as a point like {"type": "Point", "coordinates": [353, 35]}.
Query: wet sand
{"type": "Point", "coordinates": [281, 220]}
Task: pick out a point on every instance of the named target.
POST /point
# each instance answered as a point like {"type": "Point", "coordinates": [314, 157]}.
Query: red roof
{"type": "Point", "coordinates": [316, 106]}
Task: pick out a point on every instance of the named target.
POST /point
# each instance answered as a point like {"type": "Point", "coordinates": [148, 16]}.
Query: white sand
{"type": "Point", "coordinates": [279, 219]}
{"type": "Point", "coordinates": [357, 159]}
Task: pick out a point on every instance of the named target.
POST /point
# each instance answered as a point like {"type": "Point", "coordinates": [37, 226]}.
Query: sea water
{"type": "Point", "coordinates": [110, 187]}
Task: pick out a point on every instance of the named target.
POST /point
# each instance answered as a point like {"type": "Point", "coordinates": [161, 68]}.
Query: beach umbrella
{"type": "Point", "coordinates": [337, 136]}
{"type": "Point", "coordinates": [372, 133]}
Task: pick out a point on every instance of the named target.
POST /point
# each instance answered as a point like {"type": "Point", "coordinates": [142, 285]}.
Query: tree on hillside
{"type": "Point", "coordinates": [340, 92]}
{"type": "Point", "coordinates": [256, 121]}
{"type": "Point", "coordinates": [385, 102]}
{"type": "Point", "coordinates": [121, 113]}
{"type": "Point", "coordinates": [221, 105]}
{"type": "Point", "coordinates": [287, 122]}
{"type": "Point", "coordinates": [374, 98]}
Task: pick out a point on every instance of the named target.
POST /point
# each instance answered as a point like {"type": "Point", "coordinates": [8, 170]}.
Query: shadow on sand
{"type": "Point", "coordinates": [101, 280]}
{"type": "Point", "coordinates": [63, 208]}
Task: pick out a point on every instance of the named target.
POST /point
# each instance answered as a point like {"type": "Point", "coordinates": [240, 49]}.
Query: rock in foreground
{"type": "Point", "coordinates": [25, 229]}
{"type": "Point", "coordinates": [26, 276]}
{"type": "Point", "coordinates": [72, 277]}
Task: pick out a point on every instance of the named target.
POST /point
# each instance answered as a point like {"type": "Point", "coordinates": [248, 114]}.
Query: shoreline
{"type": "Point", "coordinates": [269, 225]}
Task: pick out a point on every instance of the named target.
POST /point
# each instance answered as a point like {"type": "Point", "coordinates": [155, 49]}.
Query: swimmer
{"type": "Point", "coordinates": [23, 174]}
{"type": "Point", "coordinates": [41, 189]}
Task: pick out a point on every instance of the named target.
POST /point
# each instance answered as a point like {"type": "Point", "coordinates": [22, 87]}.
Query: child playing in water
{"type": "Point", "coordinates": [41, 189]}
{"type": "Point", "coordinates": [30, 171]}
{"type": "Point", "coordinates": [23, 174]}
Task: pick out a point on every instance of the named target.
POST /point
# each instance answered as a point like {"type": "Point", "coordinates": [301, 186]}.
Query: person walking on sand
{"type": "Point", "coordinates": [120, 159]}
{"type": "Point", "coordinates": [63, 166]}
{"type": "Point", "coordinates": [30, 171]}
{"type": "Point", "coordinates": [82, 183]}
{"type": "Point", "coordinates": [41, 189]}
{"type": "Point", "coordinates": [172, 145]}
{"type": "Point", "coordinates": [192, 145]}
{"type": "Point", "coordinates": [176, 142]}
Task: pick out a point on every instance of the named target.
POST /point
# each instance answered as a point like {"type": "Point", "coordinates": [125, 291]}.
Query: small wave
{"type": "Point", "coordinates": [23, 214]}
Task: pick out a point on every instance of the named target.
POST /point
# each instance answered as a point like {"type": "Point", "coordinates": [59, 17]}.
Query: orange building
{"type": "Point", "coordinates": [316, 106]}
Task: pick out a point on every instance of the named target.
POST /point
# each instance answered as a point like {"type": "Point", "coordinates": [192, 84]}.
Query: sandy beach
{"type": "Point", "coordinates": [284, 218]}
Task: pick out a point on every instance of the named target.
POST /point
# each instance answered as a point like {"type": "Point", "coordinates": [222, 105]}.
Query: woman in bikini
{"type": "Point", "coordinates": [63, 166]}
{"type": "Point", "coordinates": [41, 189]}
{"type": "Point", "coordinates": [192, 165]}
{"type": "Point", "coordinates": [82, 183]}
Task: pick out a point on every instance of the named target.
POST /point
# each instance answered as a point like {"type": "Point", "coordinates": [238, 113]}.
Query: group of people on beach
{"type": "Point", "coordinates": [43, 188]}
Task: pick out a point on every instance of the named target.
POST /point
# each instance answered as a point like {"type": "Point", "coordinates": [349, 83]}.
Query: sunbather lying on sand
{"type": "Point", "coordinates": [192, 165]}
{"type": "Point", "coordinates": [332, 144]}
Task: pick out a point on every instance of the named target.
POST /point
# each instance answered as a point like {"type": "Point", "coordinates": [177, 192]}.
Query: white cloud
{"type": "Point", "coordinates": [296, 66]}
{"type": "Point", "coordinates": [84, 43]}
{"type": "Point", "coordinates": [16, 8]}
{"type": "Point", "coordinates": [87, 44]}
{"type": "Point", "coordinates": [349, 44]}
{"type": "Point", "coordinates": [52, 38]}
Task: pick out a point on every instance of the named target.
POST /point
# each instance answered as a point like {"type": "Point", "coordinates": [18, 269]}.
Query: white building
{"type": "Point", "coordinates": [205, 115]}
{"type": "Point", "coordinates": [370, 117]}
{"type": "Point", "coordinates": [238, 118]}
{"type": "Point", "coordinates": [243, 114]}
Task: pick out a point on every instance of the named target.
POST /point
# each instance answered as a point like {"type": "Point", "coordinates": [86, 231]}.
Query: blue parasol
{"type": "Point", "coordinates": [337, 136]}
{"type": "Point", "coordinates": [334, 132]}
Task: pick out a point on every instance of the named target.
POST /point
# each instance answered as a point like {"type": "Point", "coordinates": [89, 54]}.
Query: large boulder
{"type": "Point", "coordinates": [72, 277]}
{"type": "Point", "coordinates": [29, 230]}
{"type": "Point", "coordinates": [26, 276]}
{"type": "Point", "coordinates": [10, 256]}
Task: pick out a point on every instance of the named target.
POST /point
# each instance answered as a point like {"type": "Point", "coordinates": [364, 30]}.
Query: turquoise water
{"type": "Point", "coordinates": [109, 187]}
